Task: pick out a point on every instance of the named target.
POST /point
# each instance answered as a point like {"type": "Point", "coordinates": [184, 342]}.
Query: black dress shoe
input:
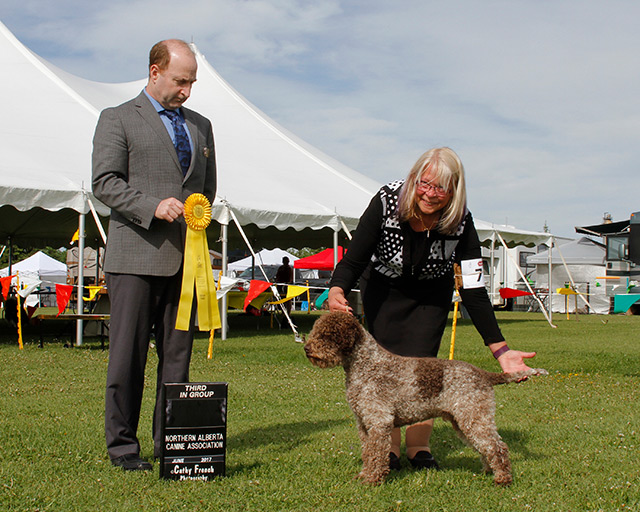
{"type": "Point", "coordinates": [424, 460]}
{"type": "Point", "coordinates": [394, 462]}
{"type": "Point", "coordinates": [131, 462]}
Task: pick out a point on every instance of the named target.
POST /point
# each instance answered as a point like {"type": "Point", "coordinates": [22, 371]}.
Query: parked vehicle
{"type": "Point", "coordinates": [316, 280]}
{"type": "Point", "coordinates": [254, 273]}
{"type": "Point", "coordinates": [319, 279]}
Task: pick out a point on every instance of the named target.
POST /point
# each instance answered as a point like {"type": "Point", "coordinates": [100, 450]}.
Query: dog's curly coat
{"type": "Point", "coordinates": [386, 391]}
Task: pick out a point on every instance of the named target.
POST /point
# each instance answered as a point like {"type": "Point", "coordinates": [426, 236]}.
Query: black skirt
{"type": "Point", "coordinates": [406, 316]}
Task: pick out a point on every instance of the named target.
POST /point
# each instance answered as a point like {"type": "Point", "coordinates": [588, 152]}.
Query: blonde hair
{"type": "Point", "coordinates": [445, 167]}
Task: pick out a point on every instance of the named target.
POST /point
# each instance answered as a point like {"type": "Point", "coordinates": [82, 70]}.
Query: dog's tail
{"type": "Point", "coordinates": [506, 378]}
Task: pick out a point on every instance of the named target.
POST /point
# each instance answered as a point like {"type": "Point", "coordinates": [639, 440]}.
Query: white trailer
{"type": "Point", "coordinates": [501, 271]}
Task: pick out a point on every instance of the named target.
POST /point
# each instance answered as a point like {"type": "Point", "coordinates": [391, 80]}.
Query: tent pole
{"type": "Point", "coordinates": [575, 288]}
{"type": "Point", "coordinates": [224, 235]}
{"type": "Point", "coordinates": [10, 256]}
{"type": "Point", "coordinates": [335, 249]}
{"type": "Point", "coordinates": [274, 289]}
{"type": "Point", "coordinates": [492, 269]}
{"type": "Point", "coordinates": [97, 262]}
{"type": "Point", "coordinates": [97, 220]}
{"type": "Point", "coordinates": [345, 228]}
{"type": "Point", "coordinates": [550, 297]}
{"type": "Point", "coordinates": [80, 289]}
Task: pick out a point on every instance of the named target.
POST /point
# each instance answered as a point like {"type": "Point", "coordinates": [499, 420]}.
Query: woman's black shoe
{"type": "Point", "coordinates": [394, 462]}
{"type": "Point", "coordinates": [424, 460]}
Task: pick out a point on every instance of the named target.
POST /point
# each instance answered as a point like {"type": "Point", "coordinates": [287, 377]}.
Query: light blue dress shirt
{"type": "Point", "coordinates": [167, 122]}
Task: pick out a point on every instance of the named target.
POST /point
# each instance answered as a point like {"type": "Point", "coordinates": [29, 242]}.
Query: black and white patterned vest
{"type": "Point", "coordinates": [388, 258]}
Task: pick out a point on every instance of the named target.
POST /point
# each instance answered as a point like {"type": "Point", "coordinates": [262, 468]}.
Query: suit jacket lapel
{"type": "Point", "coordinates": [151, 116]}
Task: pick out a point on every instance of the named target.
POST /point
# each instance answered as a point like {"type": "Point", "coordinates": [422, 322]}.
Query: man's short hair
{"type": "Point", "coordinates": [160, 53]}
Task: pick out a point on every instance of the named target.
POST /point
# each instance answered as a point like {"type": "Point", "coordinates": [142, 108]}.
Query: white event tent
{"type": "Point", "coordinates": [278, 190]}
{"type": "Point", "coordinates": [40, 269]}
{"type": "Point", "coordinates": [269, 178]}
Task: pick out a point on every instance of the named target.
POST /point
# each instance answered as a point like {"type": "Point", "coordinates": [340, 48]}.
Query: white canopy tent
{"type": "Point", "coordinates": [45, 156]}
{"type": "Point", "coordinates": [583, 251]}
{"type": "Point", "coordinates": [271, 179]}
{"type": "Point", "coordinates": [512, 236]}
{"type": "Point", "coordinates": [280, 191]}
{"type": "Point", "coordinates": [41, 268]}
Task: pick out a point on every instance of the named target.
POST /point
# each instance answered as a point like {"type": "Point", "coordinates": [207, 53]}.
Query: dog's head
{"type": "Point", "coordinates": [332, 339]}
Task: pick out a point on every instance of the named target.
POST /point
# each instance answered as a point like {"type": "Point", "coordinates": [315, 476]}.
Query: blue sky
{"type": "Point", "coordinates": [539, 98]}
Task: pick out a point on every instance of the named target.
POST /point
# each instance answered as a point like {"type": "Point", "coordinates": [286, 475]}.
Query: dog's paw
{"type": "Point", "coordinates": [368, 478]}
{"type": "Point", "coordinates": [503, 480]}
{"type": "Point", "coordinates": [539, 371]}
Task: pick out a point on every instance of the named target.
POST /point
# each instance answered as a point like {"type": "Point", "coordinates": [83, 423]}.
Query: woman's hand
{"type": "Point", "coordinates": [337, 301]}
{"type": "Point", "coordinates": [513, 361]}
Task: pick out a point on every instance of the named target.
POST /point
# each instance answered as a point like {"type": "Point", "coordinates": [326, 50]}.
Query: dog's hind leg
{"type": "Point", "coordinates": [376, 444]}
{"type": "Point", "coordinates": [480, 432]}
{"type": "Point", "coordinates": [485, 465]}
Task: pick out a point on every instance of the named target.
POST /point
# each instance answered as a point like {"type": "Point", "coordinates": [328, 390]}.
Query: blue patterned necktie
{"type": "Point", "coordinates": [183, 148]}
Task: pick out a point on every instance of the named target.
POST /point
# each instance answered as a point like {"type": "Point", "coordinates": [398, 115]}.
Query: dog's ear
{"type": "Point", "coordinates": [346, 330]}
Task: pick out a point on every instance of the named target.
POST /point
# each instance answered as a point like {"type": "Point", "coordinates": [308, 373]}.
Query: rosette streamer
{"type": "Point", "coordinates": [197, 271]}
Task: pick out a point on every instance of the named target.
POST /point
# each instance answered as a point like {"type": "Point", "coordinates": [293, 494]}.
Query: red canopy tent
{"type": "Point", "coordinates": [321, 261]}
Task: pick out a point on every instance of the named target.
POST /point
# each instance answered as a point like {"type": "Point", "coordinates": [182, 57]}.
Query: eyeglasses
{"type": "Point", "coordinates": [425, 186]}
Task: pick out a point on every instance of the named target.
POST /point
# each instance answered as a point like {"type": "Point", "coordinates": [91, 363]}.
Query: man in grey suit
{"type": "Point", "coordinates": [149, 155]}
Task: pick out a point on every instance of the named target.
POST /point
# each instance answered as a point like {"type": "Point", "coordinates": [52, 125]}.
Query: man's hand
{"type": "Point", "coordinates": [169, 209]}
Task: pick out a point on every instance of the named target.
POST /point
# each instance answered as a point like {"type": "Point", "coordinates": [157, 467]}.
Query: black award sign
{"type": "Point", "coordinates": [194, 431]}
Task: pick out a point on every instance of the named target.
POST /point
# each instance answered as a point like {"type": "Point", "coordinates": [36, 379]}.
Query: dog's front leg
{"type": "Point", "coordinates": [376, 444]}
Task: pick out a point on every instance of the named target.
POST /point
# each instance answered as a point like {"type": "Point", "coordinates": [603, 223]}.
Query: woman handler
{"type": "Point", "coordinates": [403, 252]}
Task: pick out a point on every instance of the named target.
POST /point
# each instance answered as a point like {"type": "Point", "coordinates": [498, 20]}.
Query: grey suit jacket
{"type": "Point", "coordinates": [135, 166]}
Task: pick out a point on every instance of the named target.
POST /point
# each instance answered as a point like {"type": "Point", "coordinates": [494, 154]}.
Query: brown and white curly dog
{"type": "Point", "coordinates": [386, 391]}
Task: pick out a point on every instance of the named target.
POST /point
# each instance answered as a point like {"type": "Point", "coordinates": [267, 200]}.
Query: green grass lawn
{"type": "Point", "coordinates": [292, 441]}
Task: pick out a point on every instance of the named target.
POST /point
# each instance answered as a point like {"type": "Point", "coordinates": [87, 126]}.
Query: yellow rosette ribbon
{"type": "Point", "coordinates": [197, 273]}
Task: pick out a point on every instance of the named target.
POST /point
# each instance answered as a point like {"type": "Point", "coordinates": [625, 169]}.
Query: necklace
{"type": "Point", "coordinates": [428, 229]}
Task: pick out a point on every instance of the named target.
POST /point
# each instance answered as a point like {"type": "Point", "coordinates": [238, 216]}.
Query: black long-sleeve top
{"type": "Point", "coordinates": [407, 281]}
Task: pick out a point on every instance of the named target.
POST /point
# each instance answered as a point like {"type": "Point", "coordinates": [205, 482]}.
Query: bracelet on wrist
{"type": "Point", "coordinates": [501, 351]}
